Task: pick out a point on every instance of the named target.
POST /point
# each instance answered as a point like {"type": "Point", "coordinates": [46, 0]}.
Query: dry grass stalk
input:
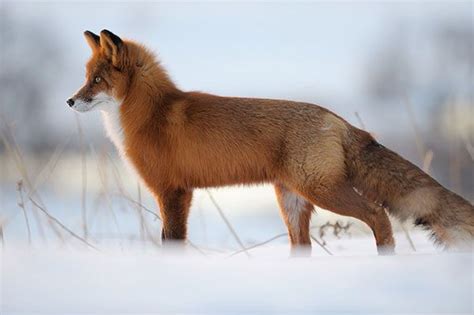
{"type": "Point", "coordinates": [2, 236]}
{"type": "Point", "coordinates": [14, 150]}
{"type": "Point", "coordinates": [145, 230]}
{"type": "Point", "coordinates": [104, 180]}
{"type": "Point", "coordinates": [245, 250]}
{"type": "Point", "coordinates": [428, 158]}
{"type": "Point", "coordinates": [49, 167]}
{"type": "Point", "coordinates": [52, 218]}
{"type": "Point", "coordinates": [420, 145]}
{"type": "Point", "coordinates": [140, 213]}
{"type": "Point", "coordinates": [21, 204]}
{"type": "Point", "coordinates": [407, 235]}
{"type": "Point", "coordinates": [469, 147]}
{"type": "Point", "coordinates": [323, 246]}
{"type": "Point", "coordinates": [359, 119]}
{"type": "Point", "coordinates": [337, 229]}
{"type": "Point", "coordinates": [275, 238]}
{"type": "Point", "coordinates": [455, 165]}
{"type": "Point", "coordinates": [83, 177]}
{"type": "Point", "coordinates": [227, 222]}
{"type": "Point", "coordinates": [141, 206]}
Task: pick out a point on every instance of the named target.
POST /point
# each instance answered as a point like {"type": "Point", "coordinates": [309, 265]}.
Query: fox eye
{"type": "Point", "coordinates": [97, 79]}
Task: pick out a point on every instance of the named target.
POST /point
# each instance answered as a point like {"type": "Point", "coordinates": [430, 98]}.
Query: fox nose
{"type": "Point", "coordinates": [70, 102]}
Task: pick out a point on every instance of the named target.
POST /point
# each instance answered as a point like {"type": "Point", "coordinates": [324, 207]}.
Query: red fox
{"type": "Point", "coordinates": [178, 141]}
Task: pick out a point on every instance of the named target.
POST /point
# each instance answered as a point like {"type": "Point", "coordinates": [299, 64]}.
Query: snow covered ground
{"type": "Point", "coordinates": [131, 275]}
{"type": "Point", "coordinates": [146, 280]}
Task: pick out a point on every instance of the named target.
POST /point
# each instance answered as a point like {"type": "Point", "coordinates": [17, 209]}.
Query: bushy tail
{"type": "Point", "coordinates": [383, 176]}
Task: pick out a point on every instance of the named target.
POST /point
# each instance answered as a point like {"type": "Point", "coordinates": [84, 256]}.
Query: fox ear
{"type": "Point", "coordinates": [93, 40]}
{"type": "Point", "coordinates": [111, 46]}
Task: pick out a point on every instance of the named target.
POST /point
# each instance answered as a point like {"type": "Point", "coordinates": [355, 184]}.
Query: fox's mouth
{"type": "Point", "coordinates": [101, 101]}
{"type": "Point", "coordinates": [82, 107]}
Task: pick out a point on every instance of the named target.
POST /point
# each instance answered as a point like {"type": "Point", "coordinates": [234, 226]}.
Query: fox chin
{"type": "Point", "coordinates": [178, 141]}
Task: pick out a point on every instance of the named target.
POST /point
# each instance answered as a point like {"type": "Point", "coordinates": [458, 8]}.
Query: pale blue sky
{"type": "Point", "coordinates": [312, 51]}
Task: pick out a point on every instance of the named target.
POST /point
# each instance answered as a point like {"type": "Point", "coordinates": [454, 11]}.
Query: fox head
{"type": "Point", "coordinates": [107, 74]}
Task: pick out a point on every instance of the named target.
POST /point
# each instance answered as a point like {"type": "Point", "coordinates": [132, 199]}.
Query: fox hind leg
{"type": "Point", "coordinates": [296, 212]}
{"type": "Point", "coordinates": [344, 200]}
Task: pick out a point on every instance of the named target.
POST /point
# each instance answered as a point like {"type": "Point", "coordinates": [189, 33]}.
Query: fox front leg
{"type": "Point", "coordinates": [174, 208]}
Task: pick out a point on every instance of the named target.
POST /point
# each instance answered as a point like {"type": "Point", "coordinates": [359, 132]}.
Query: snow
{"type": "Point", "coordinates": [141, 281]}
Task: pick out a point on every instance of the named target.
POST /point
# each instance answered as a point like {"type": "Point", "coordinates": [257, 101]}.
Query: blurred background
{"type": "Point", "coordinates": [401, 70]}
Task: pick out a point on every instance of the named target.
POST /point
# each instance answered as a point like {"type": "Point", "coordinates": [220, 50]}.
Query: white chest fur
{"type": "Point", "coordinates": [113, 128]}
{"type": "Point", "coordinates": [110, 108]}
